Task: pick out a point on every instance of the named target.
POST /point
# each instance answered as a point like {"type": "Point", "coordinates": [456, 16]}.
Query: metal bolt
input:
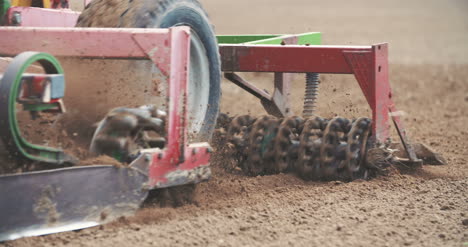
{"type": "Point", "coordinates": [194, 151]}
{"type": "Point", "coordinates": [209, 150]}
{"type": "Point", "coordinates": [147, 157]}
{"type": "Point", "coordinates": [16, 19]}
{"type": "Point", "coordinates": [160, 156]}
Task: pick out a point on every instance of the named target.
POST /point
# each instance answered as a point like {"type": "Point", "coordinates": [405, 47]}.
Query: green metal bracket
{"type": "Point", "coordinates": [39, 107]}
{"type": "Point", "coordinates": [9, 89]}
{"type": "Point", "coordinates": [313, 38]}
{"type": "Point", "coordinates": [310, 39]}
{"type": "Point", "coordinates": [239, 39]}
{"type": "Point", "coordinates": [4, 6]}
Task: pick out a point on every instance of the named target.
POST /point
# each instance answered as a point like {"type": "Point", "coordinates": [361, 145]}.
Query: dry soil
{"type": "Point", "coordinates": [429, 207]}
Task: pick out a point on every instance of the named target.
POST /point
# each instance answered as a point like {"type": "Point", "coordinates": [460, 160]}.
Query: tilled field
{"type": "Point", "coordinates": [428, 207]}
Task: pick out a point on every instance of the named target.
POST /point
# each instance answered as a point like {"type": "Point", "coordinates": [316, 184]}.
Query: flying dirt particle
{"type": "Point", "coordinates": [123, 220]}
{"type": "Point", "coordinates": [243, 228]}
{"type": "Point", "coordinates": [104, 215]}
{"type": "Point", "coordinates": [465, 222]}
{"type": "Point", "coordinates": [445, 207]}
{"type": "Point", "coordinates": [441, 235]}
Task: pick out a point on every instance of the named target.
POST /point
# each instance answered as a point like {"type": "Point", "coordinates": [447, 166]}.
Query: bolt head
{"type": "Point", "coordinates": [16, 19]}
{"type": "Point", "coordinates": [147, 157]}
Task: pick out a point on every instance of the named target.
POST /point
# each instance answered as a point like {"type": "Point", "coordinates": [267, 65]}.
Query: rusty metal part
{"type": "Point", "coordinates": [286, 144]}
{"type": "Point", "coordinates": [333, 146]}
{"type": "Point", "coordinates": [260, 146]}
{"type": "Point", "coordinates": [124, 131]}
{"type": "Point", "coordinates": [240, 129]}
{"type": "Point", "coordinates": [308, 162]}
{"type": "Point", "coordinates": [425, 153]}
{"type": "Point", "coordinates": [314, 148]}
{"type": "Point", "coordinates": [236, 138]}
{"type": "Point", "coordinates": [356, 146]}
{"type": "Point", "coordinates": [276, 104]}
{"type": "Point", "coordinates": [311, 93]}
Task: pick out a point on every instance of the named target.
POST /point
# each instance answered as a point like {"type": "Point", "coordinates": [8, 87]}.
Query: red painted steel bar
{"type": "Point", "coordinates": [123, 43]}
{"type": "Point", "coordinates": [290, 58]}
{"type": "Point", "coordinates": [41, 17]}
{"type": "Point", "coordinates": [176, 129]}
{"type": "Point", "coordinates": [247, 86]}
{"type": "Point", "coordinates": [179, 161]}
{"type": "Point", "coordinates": [371, 72]}
{"type": "Point", "coordinates": [282, 84]}
{"type": "Point", "coordinates": [81, 42]}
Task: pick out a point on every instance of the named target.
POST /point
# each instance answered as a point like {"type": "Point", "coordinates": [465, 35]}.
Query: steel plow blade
{"type": "Point", "coordinates": [45, 202]}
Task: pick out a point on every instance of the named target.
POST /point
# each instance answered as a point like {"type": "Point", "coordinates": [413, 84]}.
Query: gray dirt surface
{"type": "Point", "coordinates": [429, 207]}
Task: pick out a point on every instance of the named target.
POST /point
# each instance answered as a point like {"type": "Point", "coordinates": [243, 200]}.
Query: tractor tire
{"type": "Point", "coordinates": [205, 73]}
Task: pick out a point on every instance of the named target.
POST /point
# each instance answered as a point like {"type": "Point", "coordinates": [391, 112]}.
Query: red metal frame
{"type": "Point", "coordinates": [180, 162]}
{"type": "Point", "coordinates": [369, 64]}
{"type": "Point", "coordinates": [40, 17]}
{"type": "Point", "coordinates": [169, 50]}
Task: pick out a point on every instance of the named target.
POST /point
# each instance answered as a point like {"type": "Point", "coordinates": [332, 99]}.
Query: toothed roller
{"type": "Point", "coordinates": [314, 148]}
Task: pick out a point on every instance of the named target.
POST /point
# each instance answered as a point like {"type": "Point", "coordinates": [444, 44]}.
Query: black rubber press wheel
{"type": "Point", "coordinates": [205, 73]}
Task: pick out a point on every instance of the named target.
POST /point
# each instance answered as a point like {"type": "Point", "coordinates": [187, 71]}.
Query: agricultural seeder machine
{"type": "Point", "coordinates": [161, 135]}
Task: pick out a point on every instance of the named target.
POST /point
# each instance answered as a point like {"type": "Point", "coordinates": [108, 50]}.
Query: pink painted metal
{"type": "Point", "coordinates": [180, 162]}
{"type": "Point", "coordinates": [89, 42]}
{"type": "Point", "coordinates": [41, 17]}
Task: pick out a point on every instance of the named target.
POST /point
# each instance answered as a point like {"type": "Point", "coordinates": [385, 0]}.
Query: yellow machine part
{"type": "Point", "coordinates": [28, 3]}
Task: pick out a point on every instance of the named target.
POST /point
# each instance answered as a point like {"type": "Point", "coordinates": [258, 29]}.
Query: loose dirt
{"type": "Point", "coordinates": [427, 207]}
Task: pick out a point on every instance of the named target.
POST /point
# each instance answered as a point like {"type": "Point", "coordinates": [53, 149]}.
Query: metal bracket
{"type": "Point", "coordinates": [369, 64]}
{"type": "Point", "coordinates": [276, 104]}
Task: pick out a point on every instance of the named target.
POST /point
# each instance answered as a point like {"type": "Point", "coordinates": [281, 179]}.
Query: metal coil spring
{"type": "Point", "coordinates": [311, 94]}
